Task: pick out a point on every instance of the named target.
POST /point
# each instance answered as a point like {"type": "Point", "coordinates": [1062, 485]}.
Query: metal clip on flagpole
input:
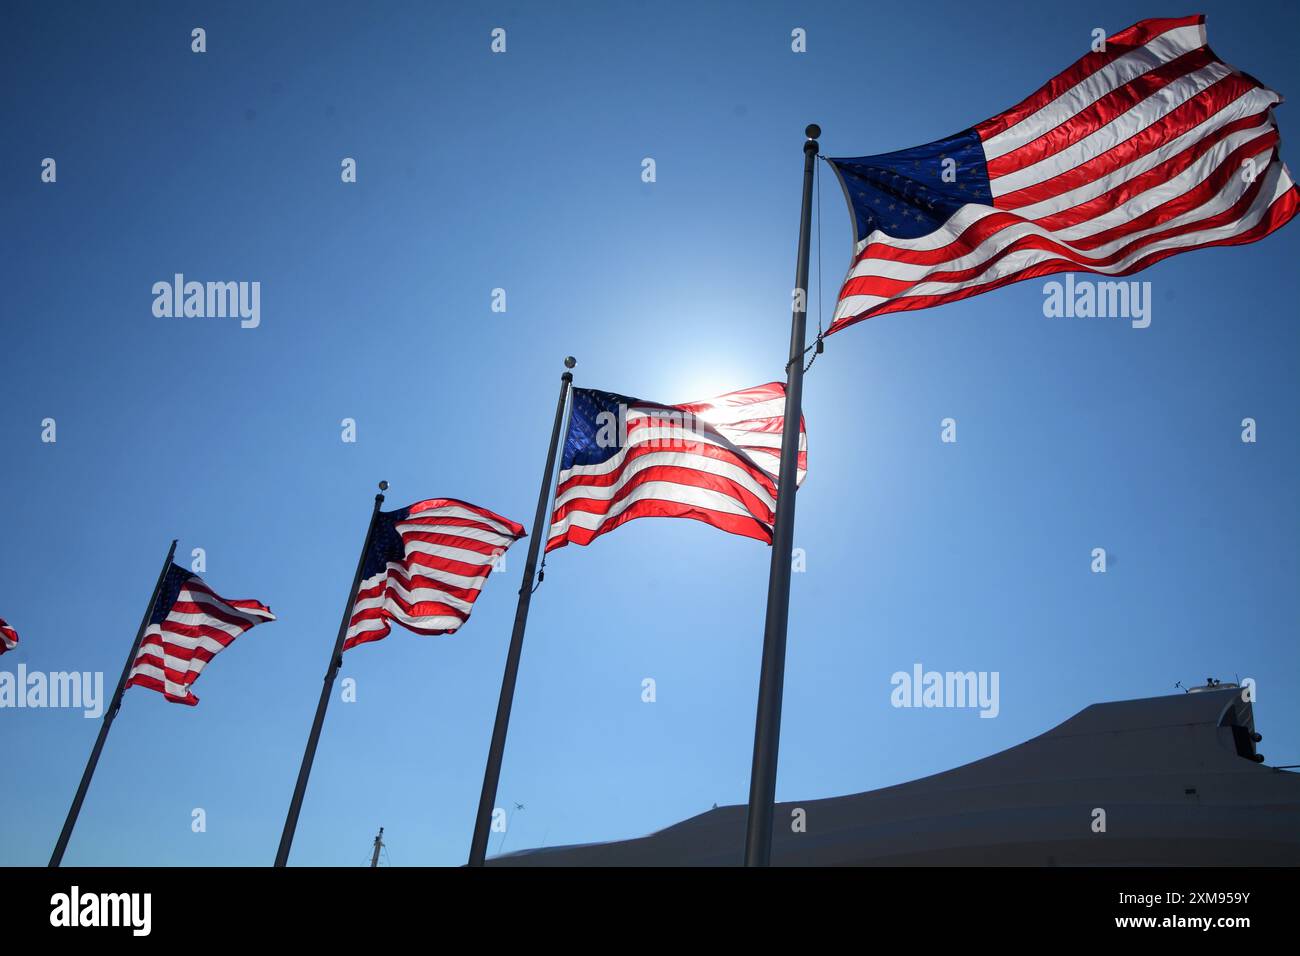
{"type": "Point", "coordinates": [114, 706]}
{"type": "Point", "coordinates": [336, 662]}
{"type": "Point", "coordinates": [541, 521]}
{"type": "Point", "coordinates": [767, 724]}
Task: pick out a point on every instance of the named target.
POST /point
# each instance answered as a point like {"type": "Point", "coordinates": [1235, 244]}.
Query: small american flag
{"type": "Point", "coordinates": [1150, 148]}
{"type": "Point", "coordinates": [426, 566]}
{"type": "Point", "coordinates": [8, 637]}
{"type": "Point", "coordinates": [714, 461]}
{"type": "Point", "coordinates": [190, 625]}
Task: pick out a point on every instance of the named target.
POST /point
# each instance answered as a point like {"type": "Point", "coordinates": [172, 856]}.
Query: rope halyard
{"type": "Point", "coordinates": [818, 346]}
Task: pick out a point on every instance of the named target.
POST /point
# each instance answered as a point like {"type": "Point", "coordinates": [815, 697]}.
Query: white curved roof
{"type": "Point", "coordinates": [1172, 775]}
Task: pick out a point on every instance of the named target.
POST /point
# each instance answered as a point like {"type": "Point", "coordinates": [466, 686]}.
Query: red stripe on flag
{"type": "Point", "coordinates": [1126, 41]}
{"type": "Point", "coordinates": [1092, 118]}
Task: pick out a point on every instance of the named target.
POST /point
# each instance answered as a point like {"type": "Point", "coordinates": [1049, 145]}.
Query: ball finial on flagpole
{"type": "Point", "coordinates": [813, 131]}
{"type": "Point", "coordinates": [570, 361]}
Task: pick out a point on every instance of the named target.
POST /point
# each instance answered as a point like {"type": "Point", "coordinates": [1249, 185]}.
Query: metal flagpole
{"type": "Point", "coordinates": [57, 856]}
{"type": "Point", "coordinates": [336, 661]}
{"type": "Point", "coordinates": [767, 724]}
{"type": "Point", "coordinates": [541, 521]}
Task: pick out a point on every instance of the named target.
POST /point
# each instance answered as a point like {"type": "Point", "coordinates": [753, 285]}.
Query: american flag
{"type": "Point", "coordinates": [714, 461]}
{"type": "Point", "coordinates": [190, 625]}
{"type": "Point", "coordinates": [8, 637]}
{"type": "Point", "coordinates": [1150, 148]}
{"type": "Point", "coordinates": [426, 566]}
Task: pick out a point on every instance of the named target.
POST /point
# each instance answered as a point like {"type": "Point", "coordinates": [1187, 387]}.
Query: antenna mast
{"type": "Point", "coordinates": [379, 845]}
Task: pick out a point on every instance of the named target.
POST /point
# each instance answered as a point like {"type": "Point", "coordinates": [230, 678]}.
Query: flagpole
{"type": "Point", "coordinates": [541, 521]}
{"type": "Point", "coordinates": [767, 723]}
{"type": "Point", "coordinates": [57, 856]}
{"type": "Point", "coordinates": [336, 661]}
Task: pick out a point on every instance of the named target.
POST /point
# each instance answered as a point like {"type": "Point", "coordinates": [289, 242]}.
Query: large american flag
{"type": "Point", "coordinates": [426, 566]}
{"type": "Point", "coordinates": [8, 637]}
{"type": "Point", "coordinates": [190, 625]}
{"type": "Point", "coordinates": [1150, 148]}
{"type": "Point", "coordinates": [715, 461]}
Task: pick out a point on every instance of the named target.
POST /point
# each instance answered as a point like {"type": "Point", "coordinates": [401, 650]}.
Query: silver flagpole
{"type": "Point", "coordinates": [541, 522]}
{"type": "Point", "coordinates": [767, 724]}
{"type": "Point", "coordinates": [109, 715]}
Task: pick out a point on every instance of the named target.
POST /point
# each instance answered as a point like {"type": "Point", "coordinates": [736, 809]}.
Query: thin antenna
{"type": "Point", "coordinates": [505, 833]}
{"type": "Point", "coordinates": [379, 845]}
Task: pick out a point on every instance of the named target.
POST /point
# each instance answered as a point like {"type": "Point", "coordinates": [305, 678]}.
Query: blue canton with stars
{"type": "Point", "coordinates": [580, 446]}
{"type": "Point", "coordinates": [904, 194]}
{"type": "Point", "coordinates": [171, 589]}
{"type": "Point", "coordinates": [385, 543]}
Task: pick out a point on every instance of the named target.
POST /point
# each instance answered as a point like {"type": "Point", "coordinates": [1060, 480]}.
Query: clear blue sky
{"type": "Point", "coordinates": [523, 171]}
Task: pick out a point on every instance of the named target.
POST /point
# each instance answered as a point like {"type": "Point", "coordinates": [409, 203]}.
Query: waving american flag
{"type": "Point", "coordinates": [715, 461]}
{"type": "Point", "coordinates": [8, 637]}
{"type": "Point", "coordinates": [1152, 147]}
{"type": "Point", "coordinates": [190, 625]}
{"type": "Point", "coordinates": [426, 566]}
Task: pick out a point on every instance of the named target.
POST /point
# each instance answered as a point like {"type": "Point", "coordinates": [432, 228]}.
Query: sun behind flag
{"type": "Point", "coordinates": [426, 566]}
{"type": "Point", "coordinates": [1150, 148]}
{"type": "Point", "coordinates": [190, 625]}
{"type": "Point", "coordinates": [8, 637]}
{"type": "Point", "coordinates": [715, 461]}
